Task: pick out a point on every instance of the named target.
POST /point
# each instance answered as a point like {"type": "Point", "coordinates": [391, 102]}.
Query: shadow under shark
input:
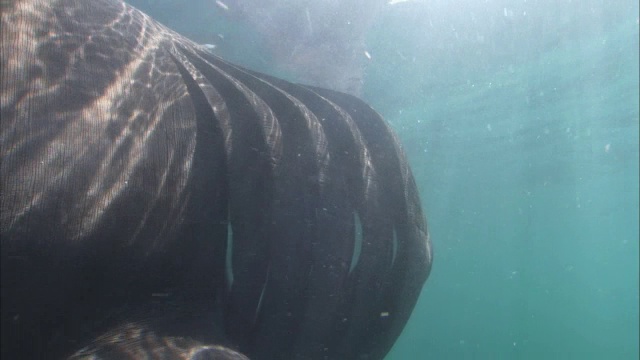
{"type": "Point", "coordinates": [156, 200]}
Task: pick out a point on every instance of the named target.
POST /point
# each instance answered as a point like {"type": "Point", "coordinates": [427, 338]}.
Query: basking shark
{"type": "Point", "coordinates": [159, 202]}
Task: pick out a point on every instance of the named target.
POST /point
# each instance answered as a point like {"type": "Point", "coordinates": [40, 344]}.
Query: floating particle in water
{"type": "Point", "coordinates": [489, 127]}
{"type": "Point", "coordinates": [209, 47]}
{"type": "Point", "coordinates": [222, 5]}
{"type": "Point", "coordinates": [568, 268]}
{"type": "Point", "coordinates": [309, 24]}
{"type": "Point", "coordinates": [366, 53]}
{"type": "Point", "coordinates": [607, 148]}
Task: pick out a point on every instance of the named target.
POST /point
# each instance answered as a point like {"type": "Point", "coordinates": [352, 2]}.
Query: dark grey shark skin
{"type": "Point", "coordinates": [156, 200]}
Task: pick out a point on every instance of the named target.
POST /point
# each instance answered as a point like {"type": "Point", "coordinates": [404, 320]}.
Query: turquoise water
{"type": "Point", "coordinates": [528, 169]}
{"type": "Point", "coordinates": [521, 122]}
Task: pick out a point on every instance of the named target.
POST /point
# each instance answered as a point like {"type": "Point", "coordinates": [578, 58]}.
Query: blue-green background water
{"type": "Point", "coordinates": [521, 122]}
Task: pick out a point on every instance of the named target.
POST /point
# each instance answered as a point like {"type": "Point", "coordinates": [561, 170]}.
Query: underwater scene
{"type": "Point", "coordinates": [126, 236]}
{"type": "Point", "coordinates": [520, 121]}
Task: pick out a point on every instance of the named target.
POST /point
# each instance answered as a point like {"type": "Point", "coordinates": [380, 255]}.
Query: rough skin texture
{"type": "Point", "coordinates": [147, 184]}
